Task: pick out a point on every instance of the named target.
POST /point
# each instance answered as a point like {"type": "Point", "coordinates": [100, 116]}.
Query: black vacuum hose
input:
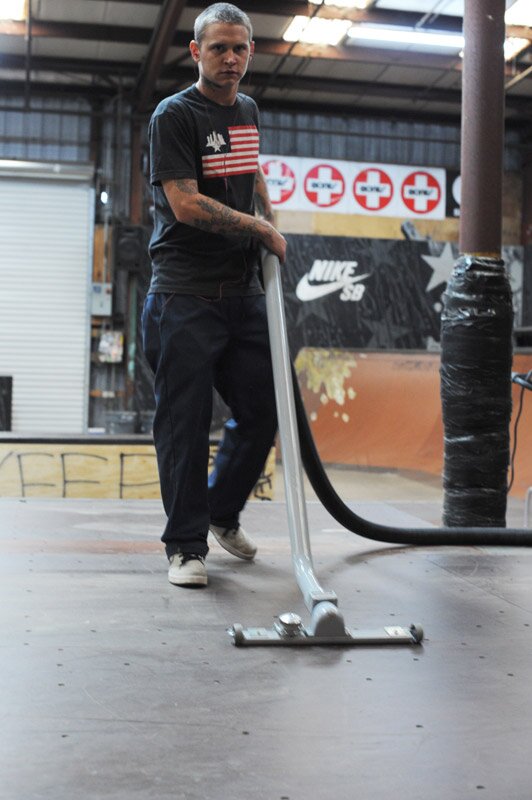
{"type": "Point", "coordinates": [508, 537]}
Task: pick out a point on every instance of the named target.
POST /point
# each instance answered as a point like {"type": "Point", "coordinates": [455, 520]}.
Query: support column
{"type": "Point", "coordinates": [482, 128]}
{"type": "Point", "coordinates": [136, 176]}
{"type": "Point", "coordinates": [136, 218]}
{"type": "Point", "coordinates": [527, 242]}
{"type": "Point", "coordinates": [477, 315]}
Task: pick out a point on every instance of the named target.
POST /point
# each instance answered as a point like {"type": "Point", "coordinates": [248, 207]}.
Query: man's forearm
{"type": "Point", "coordinates": [215, 217]}
{"type": "Point", "coordinates": [203, 212]}
{"type": "Point", "coordinates": [263, 204]}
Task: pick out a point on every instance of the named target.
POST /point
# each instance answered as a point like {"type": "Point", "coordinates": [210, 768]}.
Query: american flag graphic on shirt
{"type": "Point", "coordinates": [242, 157]}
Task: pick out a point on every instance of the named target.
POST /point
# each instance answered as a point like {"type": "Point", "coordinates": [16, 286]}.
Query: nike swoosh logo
{"type": "Point", "coordinates": [305, 292]}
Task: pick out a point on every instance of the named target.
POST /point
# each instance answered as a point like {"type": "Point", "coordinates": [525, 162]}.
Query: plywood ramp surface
{"type": "Point", "coordinates": [382, 409]}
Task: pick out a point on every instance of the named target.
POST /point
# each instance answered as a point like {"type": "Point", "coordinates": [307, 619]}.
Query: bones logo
{"type": "Point", "coordinates": [216, 141]}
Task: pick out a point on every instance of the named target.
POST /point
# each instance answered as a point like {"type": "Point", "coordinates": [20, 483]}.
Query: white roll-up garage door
{"type": "Point", "coordinates": [46, 233]}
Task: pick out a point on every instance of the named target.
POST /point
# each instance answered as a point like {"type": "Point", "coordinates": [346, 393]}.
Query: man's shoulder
{"type": "Point", "coordinates": [176, 102]}
{"type": "Point", "coordinates": [248, 102]}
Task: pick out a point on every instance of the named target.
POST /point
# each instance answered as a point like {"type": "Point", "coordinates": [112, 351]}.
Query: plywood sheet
{"type": "Point", "coordinates": [381, 409]}
{"type": "Point", "coordinates": [59, 469]}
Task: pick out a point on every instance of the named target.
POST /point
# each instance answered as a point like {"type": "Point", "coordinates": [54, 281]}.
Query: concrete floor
{"type": "Point", "coordinates": [116, 684]}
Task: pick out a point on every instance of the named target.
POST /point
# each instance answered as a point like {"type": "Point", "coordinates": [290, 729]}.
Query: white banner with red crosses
{"type": "Point", "coordinates": [346, 187]}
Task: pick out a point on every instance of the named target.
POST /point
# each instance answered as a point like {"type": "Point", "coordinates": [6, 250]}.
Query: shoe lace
{"type": "Point", "coordinates": [185, 557]}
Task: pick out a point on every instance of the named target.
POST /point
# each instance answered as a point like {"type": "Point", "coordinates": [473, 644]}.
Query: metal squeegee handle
{"type": "Point", "coordinates": [288, 434]}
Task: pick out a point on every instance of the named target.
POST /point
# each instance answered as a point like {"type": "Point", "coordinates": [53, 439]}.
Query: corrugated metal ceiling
{"type": "Point", "coordinates": [93, 48]}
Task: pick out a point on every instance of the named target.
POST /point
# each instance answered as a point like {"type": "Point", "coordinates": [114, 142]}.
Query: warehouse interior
{"type": "Point", "coordinates": [119, 685]}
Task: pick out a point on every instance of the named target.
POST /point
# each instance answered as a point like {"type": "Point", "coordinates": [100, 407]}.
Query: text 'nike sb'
{"type": "Point", "coordinates": [326, 277]}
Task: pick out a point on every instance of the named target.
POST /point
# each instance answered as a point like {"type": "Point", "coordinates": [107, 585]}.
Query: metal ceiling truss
{"type": "Point", "coordinates": [140, 82]}
{"type": "Point", "coordinates": [263, 46]}
{"type": "Point", "coordinates": [129, 34]}
{"type": "Point", "coordinates": [161, 40]}
{"type": "Point", "coordinates": [419, 94]}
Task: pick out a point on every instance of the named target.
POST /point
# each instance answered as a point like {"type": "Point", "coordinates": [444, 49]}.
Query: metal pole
{"type": "Point", "coordinates": [526, 232]}
{"type": "Point", "coordinates": [476, 336]}
{"type": "Point", "coordinates": [136, 180]}
{"type": "Point", "coordinates": [327, 624]}
{"type": "Point", "coordinates": [28, 36]}
{"type": "Point", "coordinates": [292, 470]}
{"type": "Point", "coordinates": [482, 128]}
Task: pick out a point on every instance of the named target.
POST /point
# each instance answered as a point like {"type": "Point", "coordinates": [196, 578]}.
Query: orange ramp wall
{"type": "Point", "coordinates": [383, 409]}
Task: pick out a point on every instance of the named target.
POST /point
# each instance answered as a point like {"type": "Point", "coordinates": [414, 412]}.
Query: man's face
{"type": "Point", "coordinates": [223, 55]}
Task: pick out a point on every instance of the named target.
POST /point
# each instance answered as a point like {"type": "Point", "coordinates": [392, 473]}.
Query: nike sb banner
{"type": "Point", "coordinates": [372, 293]}
{"type": "Point", "coordinates": [348, 187]}
{"type": "Point", "coordinates": [367, 293]}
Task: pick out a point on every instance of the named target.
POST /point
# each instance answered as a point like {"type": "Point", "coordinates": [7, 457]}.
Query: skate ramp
{"type": "Point", "coordinates": [383, 410]}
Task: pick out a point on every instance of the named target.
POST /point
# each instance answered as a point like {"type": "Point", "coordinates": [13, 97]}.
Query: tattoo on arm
{"type": "Point", "coordinates": [186, 185]}
{"type": "Point", "coordinates": [222, 219]}
{"type": "Point", "coordinates": [260, 207]}
{"type": "Point", "coordinates": [209, 215]}
{"type": "Point", "coordinates": [261, 197]}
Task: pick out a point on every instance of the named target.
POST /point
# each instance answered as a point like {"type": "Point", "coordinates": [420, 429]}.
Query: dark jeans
{"type": "Point", "coordinates": [192, 344]}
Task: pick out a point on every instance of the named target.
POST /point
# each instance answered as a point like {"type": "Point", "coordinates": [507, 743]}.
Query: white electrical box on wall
{"type": "Point", "coordinates": [102, 299]}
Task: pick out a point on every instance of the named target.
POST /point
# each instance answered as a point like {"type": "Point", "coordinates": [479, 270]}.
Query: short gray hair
{"type": "Point", "coordinates": [221, 12]}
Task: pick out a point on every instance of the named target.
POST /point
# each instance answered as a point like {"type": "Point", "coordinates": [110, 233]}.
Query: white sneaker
{"type": "Point", "coordinates": [235, 541]}
{"type": "Point", "coordinates": [187, 569]}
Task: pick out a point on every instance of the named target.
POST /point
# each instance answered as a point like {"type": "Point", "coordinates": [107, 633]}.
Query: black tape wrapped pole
{"type": "Point", "coordinates": [476, 393]}
{"type": "Point", "coordinates": [477, 314]}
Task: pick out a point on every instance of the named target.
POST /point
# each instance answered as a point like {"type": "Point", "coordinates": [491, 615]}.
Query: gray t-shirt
{"type": "Point", "coordinates": [218, 146]}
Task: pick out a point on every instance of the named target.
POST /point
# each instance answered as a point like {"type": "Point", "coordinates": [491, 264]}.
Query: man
{"type": "Point", "coordinates": [204, 320]}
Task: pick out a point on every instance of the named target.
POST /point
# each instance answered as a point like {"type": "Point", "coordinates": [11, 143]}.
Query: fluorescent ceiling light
{"type": "Point", "coordinates": [13, 9]}
{"type": "Point", "coordinates": [316, 30]}
{"type": "Point", "coordinates": [512, 45]}
{"type": "Point", "coordinates": [342, 3]}
{"type": "Point", "coordinates": [406, 36]}
{"type": "Point", "coordinates": [519, 14]}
